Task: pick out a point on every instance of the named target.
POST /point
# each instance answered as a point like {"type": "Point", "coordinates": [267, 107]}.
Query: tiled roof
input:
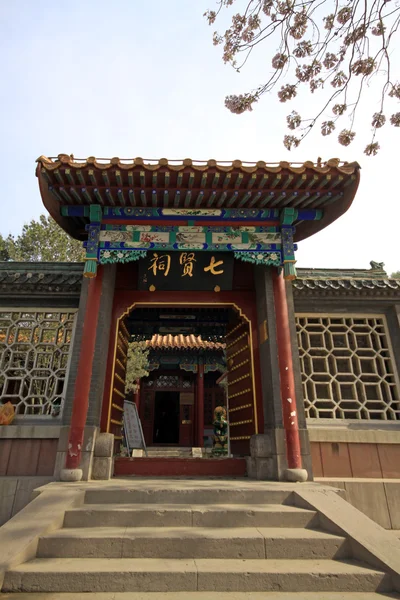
{"type": "Point", "coordinates": [65, 181]}
{"type": "Point", "coordinates": [188, 342]}
{"type": "Point", "coordinates": [374, 281]}
{"type": "Point", "coordinates": [40, 277]}
{"type": "Point", "coordinates": [346, 284]}
{"type": "Point", "coordinates": [103, 164]}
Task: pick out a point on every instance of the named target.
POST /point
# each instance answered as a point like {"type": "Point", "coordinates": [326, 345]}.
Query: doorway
{"type": "Point", "coordinates": [166, 418]}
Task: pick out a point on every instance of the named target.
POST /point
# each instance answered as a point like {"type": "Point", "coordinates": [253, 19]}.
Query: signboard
{"type": "Point", "coordinates": [189, 271]}
{"type": "Point", "coordinates": [186, 398]}
{"type": "Point", "coordinates": [133, 427]}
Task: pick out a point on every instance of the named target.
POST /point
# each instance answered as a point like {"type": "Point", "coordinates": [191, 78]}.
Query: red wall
{"type": "Point", "coordinates": [126, 295]}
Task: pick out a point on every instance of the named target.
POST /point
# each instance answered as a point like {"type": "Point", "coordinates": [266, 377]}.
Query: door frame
{"type": "Point", "coordinates": [126, 301]}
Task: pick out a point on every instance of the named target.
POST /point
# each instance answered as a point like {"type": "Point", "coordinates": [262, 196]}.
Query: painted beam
{"type": "Point", "coordinates": [110, 197]}
{"type": "Point", "coordinates": [255, 199]}
{"type": "Point", "coordinates": [106, 180]}
{"type": "Point", "coordinates": [118, 177]}
{"type": "Point", "coordinates": [314, 179]}
{"type": "Point", "coordinates": [59, 177]}
{"type": "Point", "coordinates": [86, 195]}
{"type": "Point", "coordinates": [154, 198]}
{"type": "Point", "coordinates": [92, 177]}
{"type": "Point", "coordinates": [263, 181]}
{"type": "Point", "coordinates": [238, 181]}
{"type": "Point", "coordinates": [75, 195]}
{"type": "Point", "coordinates": [222, 199]}
{"type": "Point", "coordinates": [232, 199]}
{"type": "Point", "coordinates": [288, 181]}
{"type": "Point", "coordinates": [56, 194]}
{"type": "Point", "coordinates": [226, 180]}
{"type": "Point", "coordinates": [245, 198]}
{"type": "Point", "coordinates": [121, 196]}
{"type": "Point", "coordinates": [68, 174]}
{"type": "Point", "coordinates": [215, 180]}
{"type": "Point", "coordinates": [300, 182]}
{"type": "Point", "coordinates": [276, 180]}
{"type": "Point", "coordinates": [252, 181]}
{"type": "Point", "coordinates": [211, 199]}
{"type": "Point", "coordinates": [188, 198]}
{"type": "Point", "coordinates": [177, 198]}
{"type": "Point", "coordinates": [65, 195]}
{"type": "Point", "coordinates": [132, 198]}
{"type": "Point", "coordinates": [80, 177]}
{"type": "Point", "coordinates": [199, 199]}
{"type": "Point", "coordinates": [98, 196]}
{"type": "Point", "coordinates": [166, 198]}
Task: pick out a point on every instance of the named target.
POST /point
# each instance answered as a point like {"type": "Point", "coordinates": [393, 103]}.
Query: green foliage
{"type": "Point", "coordinates": [4, 253]}
{"type": "Point", "coordinates": [137, 365]}
{"type": "Point", "coordinates": [41, 241]}
{"type": "Point", "coordinates": [395, 275]}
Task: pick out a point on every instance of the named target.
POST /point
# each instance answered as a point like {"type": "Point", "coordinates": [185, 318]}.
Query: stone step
{"type": "Point", "coordinates": [192, 542]}
{"type": "Point", "coordinates": [168, 454]}
{"type": "Point", "coordinates": [160, 575]}
{"type": "Point", "coordinates": [175, 494]}
{"type": "Point", "coordinates": [181, 515]}
{"type": "Point", "coordinates": [173, 451]}
{"type": "Point", "coordinates": [202, 596]}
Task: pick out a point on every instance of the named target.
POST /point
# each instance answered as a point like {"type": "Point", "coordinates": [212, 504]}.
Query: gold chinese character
{"type": "Point", "coordinates": [212, 266]}
{"type": "Point", "coordinates": [160, 263]}
{"type": "Point", "coordinates": [187, 259]}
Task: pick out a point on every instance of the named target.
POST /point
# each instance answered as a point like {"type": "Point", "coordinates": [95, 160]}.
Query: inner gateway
{"type": "Point", "coordinates": [189, 349]}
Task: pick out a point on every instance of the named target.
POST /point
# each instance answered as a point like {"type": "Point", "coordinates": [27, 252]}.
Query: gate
{"type": "Point", "coordinates": [241, 394]}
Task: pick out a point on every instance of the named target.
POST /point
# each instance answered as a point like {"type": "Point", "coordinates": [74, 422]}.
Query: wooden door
{"type": "Point", "coordinates": [147, 412]}
{"type": "Point", "coordinates": [186, 420]}
{"type": "Point", "coordinates": [118, 386]}
{"type": "Point", "coordinates": [239, 358]}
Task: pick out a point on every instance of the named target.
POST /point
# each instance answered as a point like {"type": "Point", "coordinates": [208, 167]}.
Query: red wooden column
{"type": "Point", "coordinates": [200, 404]}
{"type": "Point", "coordinates": [285, 359]}
{"type": "Point", "coordinates": [136, 397]}
{"type": "Point", "coordinates": [84, 375]}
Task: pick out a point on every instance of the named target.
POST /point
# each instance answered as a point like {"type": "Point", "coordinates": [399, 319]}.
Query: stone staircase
{"type": "Point", "coordinates": [200, 540]}
{"type": "Point", "coordinates": [169, 452]}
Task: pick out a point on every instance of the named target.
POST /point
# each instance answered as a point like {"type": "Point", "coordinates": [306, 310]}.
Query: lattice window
{"type": "Point", "coordinates": [168, 381]}
{"type": "Point", "coordinates": [34, 349]}
{"type": "Point", "coordinates": [347, 367]}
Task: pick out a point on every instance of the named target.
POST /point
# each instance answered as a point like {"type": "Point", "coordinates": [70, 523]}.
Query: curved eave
{"type": "Point", "coordinates": [53, 207]}
{"type": "Point", "coordinates": [117, 172]}
{"type": "Point", "coordinates": [308, 228]}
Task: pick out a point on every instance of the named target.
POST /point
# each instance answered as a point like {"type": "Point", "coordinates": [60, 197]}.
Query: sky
{"type": "Point", "coordinates": [130, 78]}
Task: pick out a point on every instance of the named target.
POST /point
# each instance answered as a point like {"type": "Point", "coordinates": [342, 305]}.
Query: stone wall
{"type": "Point", "coordinates": [379, 500]}
{"type": "Point", "coordinates": [16, 493]}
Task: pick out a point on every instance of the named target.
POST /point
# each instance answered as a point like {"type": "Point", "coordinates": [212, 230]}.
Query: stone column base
{"type": "Point", "coordinates": [85, 466]}
{"type": "Point", "coordinates": [103, 462]}
{"type": "Point", "coordinates": [268, 456]}
{"type": "Point", "coordinates": [297, 475]}
{"type": "Point", "coordinates": [71, 474]}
